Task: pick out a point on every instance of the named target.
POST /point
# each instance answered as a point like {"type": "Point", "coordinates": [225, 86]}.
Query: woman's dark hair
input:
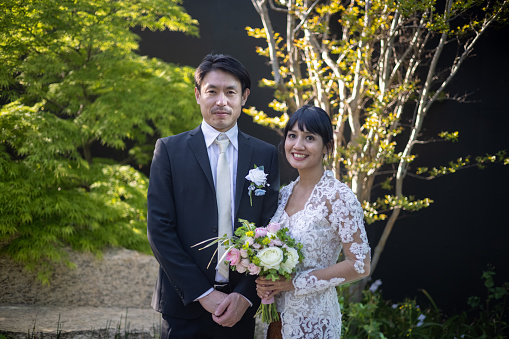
{"type": "Point", "coordinates": [316, 121]}
{"type": "Point", "coordinates": [224, 63]}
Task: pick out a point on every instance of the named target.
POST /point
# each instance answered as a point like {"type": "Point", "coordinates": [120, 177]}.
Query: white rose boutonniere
{"type": "Point", "coordinates": [258, 180]}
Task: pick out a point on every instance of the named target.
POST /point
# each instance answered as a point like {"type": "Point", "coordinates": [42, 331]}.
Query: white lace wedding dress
{"type": "Point", "coordinates": [331, 221]}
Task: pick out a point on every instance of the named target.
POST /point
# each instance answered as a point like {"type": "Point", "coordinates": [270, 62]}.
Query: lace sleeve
{"type": "Point", "coordinates": [305, 282]}
{"type": "Point", "coordinates": [346, 218]}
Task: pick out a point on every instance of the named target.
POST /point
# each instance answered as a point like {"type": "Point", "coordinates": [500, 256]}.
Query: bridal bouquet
{"type": "Point", "coordinates": [266, 251]}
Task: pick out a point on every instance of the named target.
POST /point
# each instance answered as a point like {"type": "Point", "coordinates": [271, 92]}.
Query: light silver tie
{"type": "Point", "coordinates": [223, 196]}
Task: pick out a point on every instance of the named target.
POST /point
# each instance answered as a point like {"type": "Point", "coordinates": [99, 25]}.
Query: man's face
{"type": "Point", "coordinates": [221, 99]}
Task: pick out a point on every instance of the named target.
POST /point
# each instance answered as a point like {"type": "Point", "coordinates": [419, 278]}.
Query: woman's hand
{"type": "Point", "coordinates": [266, 288]}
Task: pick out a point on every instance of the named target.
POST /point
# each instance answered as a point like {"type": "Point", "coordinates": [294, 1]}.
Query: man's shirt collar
{"type": "Point", "coordinates": [210, 134]}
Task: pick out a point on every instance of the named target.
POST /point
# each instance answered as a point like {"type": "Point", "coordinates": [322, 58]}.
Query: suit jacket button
{"type": "Point", "coordinates": [214, 229]}
{"type": "Point", "coordinates": [214, 261]}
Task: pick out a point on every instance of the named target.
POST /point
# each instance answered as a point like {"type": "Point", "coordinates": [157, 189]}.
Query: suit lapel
{"type": "Point", "coordinates": [244, 161]}
{"type": "Point", "coordinates": [199, 149]}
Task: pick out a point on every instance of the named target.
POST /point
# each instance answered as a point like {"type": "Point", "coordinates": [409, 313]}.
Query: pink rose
{"type": "Point", "coordinates": [243, 253]}
{"type": "Point", "coordinates": [241, 268]}
{"type": "Point", "coordinates": [256, 245]}
{"type": "Point", "coordinates": [243, 265]}
{"type": "Point", "coordinates": [276, 242]}
{"type": "Point", "coordinates": [249, 241]}
{"type": "Point", "coordinates": [273, 227]}
{"type": "Point", "coordinates": [233, 256]}
{"type": "Point", "coordinates": [253, 269]}
{"type": "Point", "coordinates": [260, 232]}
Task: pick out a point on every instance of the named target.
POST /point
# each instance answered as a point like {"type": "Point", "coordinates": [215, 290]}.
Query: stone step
{"type": "Point", "coordinates": [36, 321]}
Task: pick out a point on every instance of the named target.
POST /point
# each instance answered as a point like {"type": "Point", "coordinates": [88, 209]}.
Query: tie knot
{"type": "Point", "coordinates": [223, 141]}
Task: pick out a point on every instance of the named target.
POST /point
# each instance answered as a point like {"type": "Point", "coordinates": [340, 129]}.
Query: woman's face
{"type": "Point", "coordinates": [304, 150]}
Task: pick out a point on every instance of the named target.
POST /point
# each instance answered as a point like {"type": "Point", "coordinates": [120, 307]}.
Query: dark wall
{"type": "Point", "coordinates": [444, 248]}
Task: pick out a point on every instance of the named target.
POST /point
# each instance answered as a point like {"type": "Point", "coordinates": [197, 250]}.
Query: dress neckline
{"type": "Point", "coordinates": [325, 173]}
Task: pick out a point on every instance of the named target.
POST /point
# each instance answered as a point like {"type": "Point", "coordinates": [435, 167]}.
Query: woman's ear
{"type": "Point", "coordinates": [330, 146]}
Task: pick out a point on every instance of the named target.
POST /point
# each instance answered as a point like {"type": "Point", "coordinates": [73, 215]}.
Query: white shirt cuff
{"type": "Point", "coordinates": [210, 290]}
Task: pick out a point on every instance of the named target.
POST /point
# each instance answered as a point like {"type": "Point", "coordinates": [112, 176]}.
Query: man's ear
{"type": "Point", "coordinates": [197, 95]}
{"type": "Point", "coordinates": [245, 95]}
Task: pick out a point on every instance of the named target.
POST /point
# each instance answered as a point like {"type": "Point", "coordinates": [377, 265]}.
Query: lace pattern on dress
{"type": "Point", "coordinates": [305, 283]}
{"type": "Point", "coordinates": [331, 221]}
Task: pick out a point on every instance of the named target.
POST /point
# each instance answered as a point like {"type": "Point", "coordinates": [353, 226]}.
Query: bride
{"type": "Point", "coordinates": [325, 216]}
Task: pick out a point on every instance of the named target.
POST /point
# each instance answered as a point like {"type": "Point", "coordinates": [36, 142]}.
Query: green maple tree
{"type": "Point", "coordinates": [71, 82]}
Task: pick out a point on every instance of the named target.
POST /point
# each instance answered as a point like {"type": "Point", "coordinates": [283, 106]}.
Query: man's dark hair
{"type": "Point", "coordinates": [224, 63]}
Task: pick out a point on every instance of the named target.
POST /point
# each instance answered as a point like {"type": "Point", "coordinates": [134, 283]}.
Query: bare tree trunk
{"type": "Point", "coordinates": [87, 152]}
{"type": "Point", "coordinates": [261, 8]}
{"type": "Point", "coordinates": [383, 239]}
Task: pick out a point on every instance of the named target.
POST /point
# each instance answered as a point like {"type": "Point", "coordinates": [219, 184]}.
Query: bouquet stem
{"type": "Point", "coordinates": [267, 311]}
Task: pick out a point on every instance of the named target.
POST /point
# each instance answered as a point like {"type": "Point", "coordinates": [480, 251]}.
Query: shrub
{"type": "Point", "coordinates": [375, 317]}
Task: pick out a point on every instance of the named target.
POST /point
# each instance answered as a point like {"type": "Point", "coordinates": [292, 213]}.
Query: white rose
{"type": "Point", "coordinates": [291, 260]}
{"type": "Point", "coordinates": [271, 257]}
{"type": "Point", "coordinates": [257, 176]}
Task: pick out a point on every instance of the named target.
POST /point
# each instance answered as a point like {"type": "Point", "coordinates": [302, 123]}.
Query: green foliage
{"type": "Point", "coordinates": [374, 317]}
{"type": "Point", "coordinates": [374, 211]}
{"type": "Point", "coordinates": [71, 82]}
{"type": "Point", "coordinates": [461, 163]}
{"type": "Point", "coordinates": [488, 318]}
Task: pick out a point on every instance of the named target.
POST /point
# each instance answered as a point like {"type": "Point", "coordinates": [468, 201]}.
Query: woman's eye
{"type": "Point", "coordinates": [310, 137]}
{"type": "Point", "coordinates": [290, 136]}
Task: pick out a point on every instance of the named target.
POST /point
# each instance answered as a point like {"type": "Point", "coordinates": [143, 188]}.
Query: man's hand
{"type": "Point", "coordinates": [231, 310]}
{"type": "Point", "coordinates": [211, 301]}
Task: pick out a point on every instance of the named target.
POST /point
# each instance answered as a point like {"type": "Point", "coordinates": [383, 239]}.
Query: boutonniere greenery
{"type": "Point", "coordinates": [258, 180]}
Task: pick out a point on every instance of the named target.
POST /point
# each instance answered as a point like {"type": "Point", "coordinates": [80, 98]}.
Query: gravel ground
{"type": "Point", "coordinates": [122, 278]}
{"type": "Point", "coordinates": [91, 301]}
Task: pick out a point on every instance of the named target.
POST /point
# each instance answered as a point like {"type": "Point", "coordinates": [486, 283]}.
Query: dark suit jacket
{"type": "Point", "coordinates": [182, 211]}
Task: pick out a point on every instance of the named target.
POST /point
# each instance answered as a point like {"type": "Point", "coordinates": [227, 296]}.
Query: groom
{"type": "Point", "coordinates": [196, 299]}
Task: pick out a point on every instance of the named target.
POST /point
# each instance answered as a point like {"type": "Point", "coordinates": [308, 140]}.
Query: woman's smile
{"type": "Point", "coordinates": [299, 155]}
